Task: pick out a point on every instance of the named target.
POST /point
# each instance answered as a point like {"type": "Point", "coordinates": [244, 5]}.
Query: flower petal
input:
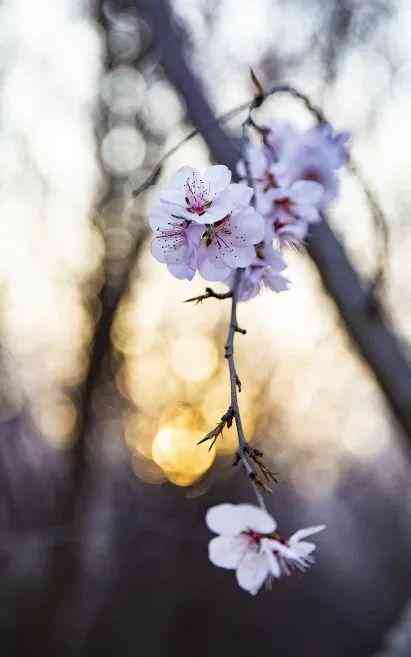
{"type": "Point", "coordinates": [181, 176]}
{"type": "Point", "coordinates": [182, 271]}
{"type": "Point", "coordinates": [234, 256]}
{"type": "Point", "coordinates": [303, 548]}
{"type": "Point", "coordinates": [211, 265]}
{"type": "Point", "coordinates": [303, 533]}
{"type": "Point", "coordinates": [227, 551]}
{"type": "Point", "coordinates": [271, 558]}
{"type": "Point", "coordinates": [247, 227]}
{"type": "Point", "coordinates": [172, 250]}
{"type": "Point", "coordinates": [276, 282]}
{"type": "Point", "coordinates": [307, 192]}
{"type": "Point", "coordinates": [239, 194]}
{"type": "Point", "coordinates": [218, 177]}
{"type": "Point", "coordinates": [253, 571]}
{"type": "Point", "coordinates": [308, 213]}
{"type": "Point", "coordinates": [256, 519]}
{"type": "Point", "coordinates": [225, 519]}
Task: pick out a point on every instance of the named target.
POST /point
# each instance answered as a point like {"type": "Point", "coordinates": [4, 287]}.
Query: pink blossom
{"type": "Point", "coordinates": [175, 242]}
{"type": "Point", "coordinates": [264, 271]}
{"type": "Point", "coordinates": [229, 243]}
{"type": "Point", "coordinates": [314, 155]}
{"type": "Point", "coordinates": [204, 197]}
{"type": "Point", "coordinates": [295, 206]}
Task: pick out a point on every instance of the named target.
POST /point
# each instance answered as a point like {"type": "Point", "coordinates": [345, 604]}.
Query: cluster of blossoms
{"type": "Point", "coordinates": [204, 222]}
{"type": "Point", "coordinates": [249, 544]}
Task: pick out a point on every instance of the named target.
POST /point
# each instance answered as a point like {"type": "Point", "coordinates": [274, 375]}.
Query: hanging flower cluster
{"type": "Point", "coordinates": [236, 233]}
{"type": "Point", "coordinates": [295, 179]}
{"type": "Point", "coordinates": [249, 544]}
{"type": "Point", "coordinates": [203, 222]}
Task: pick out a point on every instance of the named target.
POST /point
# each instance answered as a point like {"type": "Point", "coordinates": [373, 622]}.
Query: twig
{"type": "Point", "coordinates": [229, 354]}
{"type": "Point", "coordinates": [226, 421]}
{"type": "Point", "coordinates": [210, 294]}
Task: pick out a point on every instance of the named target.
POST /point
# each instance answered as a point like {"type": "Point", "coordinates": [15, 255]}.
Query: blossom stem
{"type": "Point", "coordinates": [234, 384]}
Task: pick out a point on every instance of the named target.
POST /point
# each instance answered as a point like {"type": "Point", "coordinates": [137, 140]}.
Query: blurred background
{"type": "Point", "coordinates": [108, 380]}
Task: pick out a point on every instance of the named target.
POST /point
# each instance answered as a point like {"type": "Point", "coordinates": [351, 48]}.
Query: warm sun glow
{"type": "Point", "coordinates": [176, 451]}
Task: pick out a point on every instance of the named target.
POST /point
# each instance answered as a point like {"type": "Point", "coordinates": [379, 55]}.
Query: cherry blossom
{"type": "Point", "coordinates": [175, 242]}
{"type": "Point", "coordinates": [204, 197]}
{"type": "Point", "coordinates": [314, 155]}
{"type": "Point", "coordinates": [295, 552]}
{"type": "Point", "coordinates": [249, 544]}
{"type": "Point", "coordinates": [264, 271]}
{"type": "Point", "coordinates": [229, 244]}
{"type": "Point", "coordinates": [294, 175]}
{"type": "Point", "coordinates": [239, 546]}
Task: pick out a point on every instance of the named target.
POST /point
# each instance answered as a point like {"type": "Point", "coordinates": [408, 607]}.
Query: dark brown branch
{"type": "Point", "coordinates": [210, 294]}
{"type": "Point", "coordinates": [243, 446]}
{"type": "Point", "coordinates": [365, 321]}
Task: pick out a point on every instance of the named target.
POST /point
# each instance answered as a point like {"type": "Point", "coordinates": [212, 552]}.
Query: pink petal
{"type": "Point", "coordinates": [276, 282]}
{"type": "Point", "coordinates": [253, 571]}
{"type": "Point", "coordinates": [239, 194]}
{"type": "Point", "coordinates": [247, 227]}
{"type": "Point", "coordinates": [172, 250]}
{"type": "Point", "coordinates": [308, 213]}
{"type": "Point", "coordinates": [307, 192]}
{"type": "Point", "coordinates": [234, 256]}
{"type": "Point", "coordinates": [210, 264]}
{"type": "Point", "coordinates": [160, 219]}
{"type": "Point", "coordinates": [180, 178]}
{"type": "Point", "coordinates": [227, 551]}
{"type": "Point", "coordinates": [183, 271]}
{"type": "Point", "coordinates": [218, 177]}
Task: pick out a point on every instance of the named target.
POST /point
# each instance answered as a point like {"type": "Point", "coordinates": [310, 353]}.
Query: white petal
{"type": "Point", "coordinates": [172, 250]}
{"type": "Point", "coordinates": [173, 196]}
{"type": "Point", "coordinates": [225, 519]}
{"type": "Point", "coordinates": [218, 177]}
{"type": "Point", "coordinates": [247, 227]}
{"type": "Point", "coordinates": [257, 161]}
{"type": "Point", "coordinates": [180, 178]}
{"type": "Point", "coordinates": [220, 208]}
{"type": "Point", "coordinates": [303, 533]}
{"type": "Point", "coordinates": [210, 264]}
{"type": "Point", "coordinates": [271, 558]}
{"type": "Point", "coordinates": [304, 548]}
{"type": "Point", "coordinates": [276, 282]}
{"type": "Point", "coordinates": [240, 194]}
{"type": "Point", "coordinates": [253, 571]}
{"type": "Point", "coordinates": [284, 550]}
{"type": "Point", "coordinates": [227, 551]}
{"type": "Point", "coordinates": [160, 218]}
{"type": "Point", "coordinates": [308, 213]}
{"type": "Point", "coordinates": [308, 192]}
{"type": "Point", "coordinates": [256, 519]}
{"type": "Point", "coordinates": [182, 271]}
{"type": "Point", "coordinates": [234, 256]}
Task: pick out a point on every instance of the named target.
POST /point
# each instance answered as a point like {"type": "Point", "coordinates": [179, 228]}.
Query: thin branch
{"type": "Point", "coordinates": [210, 294]}
{"type": "Point", "coordinates": [234, 378]}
